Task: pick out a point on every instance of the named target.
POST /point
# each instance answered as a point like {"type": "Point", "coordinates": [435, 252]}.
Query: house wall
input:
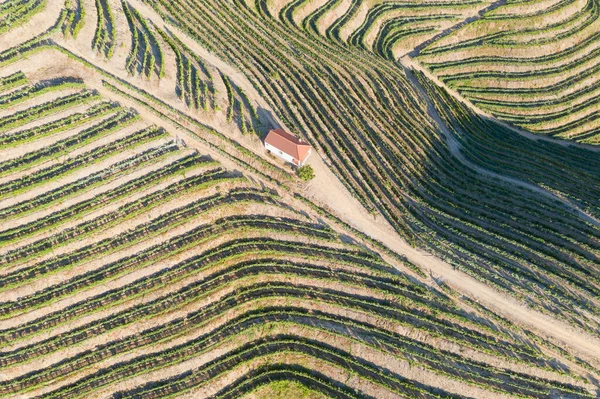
{"type": "Point", "coordinates": [306, 159]}
{"type": "Point", "coordinates": [280, 154]}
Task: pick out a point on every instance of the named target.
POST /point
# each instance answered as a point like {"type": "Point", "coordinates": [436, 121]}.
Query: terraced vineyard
{"type": "Point", "coordinates": [390, 28]}
{"type": "Point", "coordinates": [534, 66]}
{"type": "Point", "coordinates": [16, 12]}
{"type": "Point", "coordinates": [151, 248]}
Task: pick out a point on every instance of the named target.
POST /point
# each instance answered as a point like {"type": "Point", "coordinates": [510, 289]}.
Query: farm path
{"type": "Point", "coordinates": [455, 149]}
{"type": "Point", "coordinates": [328, 189]}
{"type": "Point", "coordinates": [35, 26]}
{"type": "Point", "coordinates": [345, 204]}
{"type": "Point", "coordinates": [417, 50]}
{"type": "Point", "coordinates": [409, 63]}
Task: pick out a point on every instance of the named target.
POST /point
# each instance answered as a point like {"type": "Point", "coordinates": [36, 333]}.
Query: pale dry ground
{"type": "Point", "coordinates": [283, 390]}
{"type": "Point", "coordinates": [115, 281]}
{"type": "Point", "coordinates": [400, 14]}
{"type": "Point", "coordinates": [331, 15]}
{"type": "Point", "coordinates": [101, 139]}
{"type": "Point", "coordinates": [542, 110]}
{"type": "Point", "coordinates": [122, 251]}
{"type": "Point", "coordinates": [328, 190]}
{"type": "Point", "coordinates": [61, 157]}
{"type": "Point", "coordinates": [59, 249]}
{"type": "Point", "coordinates": [274, 6]}
{"type": "Point", "coordinates": [5, 151]}
{"type": "Point", "coordinates": [143, 323]}
{"type": "Point", "coordinates": [325, 368]}
{"type": "Point", "coordinates": [216, 120]}
{"type": "Point", "coordinates": [594, 140]}
{"type": "Point", "coordinates": [568, 118]}
{"type": "Point", "coordinates": [541, 21]}
{"type": "Point", "coordinates": [533, 83]}
{"type": "Point", "coordinates": [154, 293]}
{"type": "Point", "coordinates": [115, 334]}
{"type": "Point", "coordinates": [112, 206]}
{"type": "Point", "coordinates": [36, 99]}
{"type": "Point", "coordinates": [37, 24]}
{"type": "Point", "coordinates": [181, 311]}
{"type": "Point", "coordinates": [411, 63]}
{"type": "Point", "coordinates": [406, 45]}
{"type": "Point", "coordinates": [38, 144]}
{"type": "Point", "coordinates": [582, 84]}
{"type": "Point", "coordinates": [378, 358]}
{"type": "Point", "coordinates": [507, 67]}
{"type": "Point", "coordinates": [356, 21]}
{"type": "Point", "coordinates": [420, 375]}
{"type": "Point", "coordinates": [333, 194]}
{"type": "Point", "coordinates": [524, 8]}
{"type": "Point", "coordinates": [403, 330]}
{"type": "Point", "coordinates": [165, 88]}
{"type": "Point", "coordinates": [416, 373]}
{"type": "Point", "coordinates": [12, 90]}
{"type": "Point", "coordinates": [12, 200]}
{"type": "Point", "coordinates": [550, 33]}
{"type": "Point", "coordinates": [87, 194]}
{"type": "Point", "coordinates": [403, 46]}
{"type": "Point", "coordinates": [306, 9]}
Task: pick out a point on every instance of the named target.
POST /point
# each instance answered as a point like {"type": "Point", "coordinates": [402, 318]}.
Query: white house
{"type": "Point", "coordinates": [287, 147]}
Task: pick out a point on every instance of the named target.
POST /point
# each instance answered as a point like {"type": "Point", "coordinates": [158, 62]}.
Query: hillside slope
{"type": "Point", "coordinates": [149, 247]}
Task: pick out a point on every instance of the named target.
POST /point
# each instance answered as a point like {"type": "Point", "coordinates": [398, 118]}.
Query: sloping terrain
{"type": "Point", "coordinates": [533, 65]}
{"type": "Point", "coordinates": [388, 152]}
{"type": "Point", "coordinates": [149, 247]}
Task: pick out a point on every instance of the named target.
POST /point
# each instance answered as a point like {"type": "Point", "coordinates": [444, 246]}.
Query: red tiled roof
{"type": "Point", "coordinates": [288, 143]}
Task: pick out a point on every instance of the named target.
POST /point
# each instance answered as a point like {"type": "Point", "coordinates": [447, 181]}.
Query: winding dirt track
{"type": "Point", "coordinates": [455, 148]}
{"type": "Point", "coordinates": [410, 63]}
{"type": "Point", "coordinates": [457, 26]}
{"type": "Point", "coordinates": [329, 190]}
{"type": "Point", "coordinates": [462, 282]}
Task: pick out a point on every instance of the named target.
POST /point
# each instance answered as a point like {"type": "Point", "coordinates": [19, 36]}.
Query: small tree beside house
{"type": "Point", "coordinates": [306, 173]}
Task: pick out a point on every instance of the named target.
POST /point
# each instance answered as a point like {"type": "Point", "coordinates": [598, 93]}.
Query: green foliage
{"type": "Point", "coordinates": [146, 56]}
{"type": "Point", "coordinates": [480, 64]}
{"type": "Point", "coordinates": [15, 13]}
{"type": "Point", "coordinates": [285, 390]}
{"type": "Point", "coordinates": [104, 41]}
{"type": "Point", "coordinates": [181, 270]}
{"type": "Point", "coordinates": [194, 79]}
{"type": "Point", "coordinates": [239, 107]}
{"type": "Point", "coordinates": [74, 19]}
{"type": "Point", "coordinates": [306, 173]}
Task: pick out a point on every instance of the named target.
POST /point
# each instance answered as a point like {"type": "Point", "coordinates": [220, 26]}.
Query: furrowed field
{"type": "Point", "coordinates": [447, 247]}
